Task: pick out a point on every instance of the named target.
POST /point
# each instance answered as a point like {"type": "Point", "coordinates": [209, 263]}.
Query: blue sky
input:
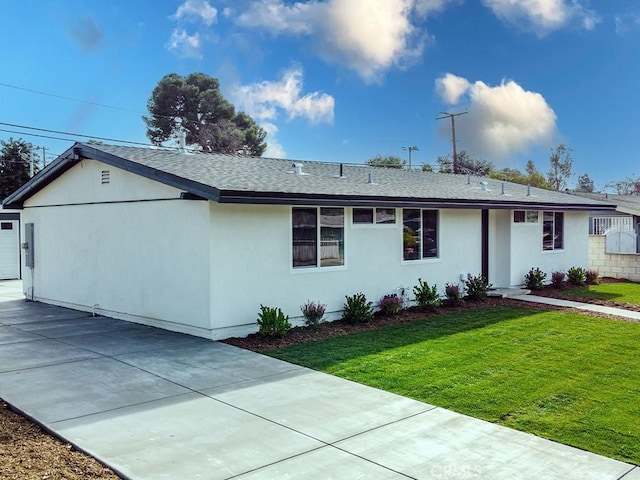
{"type": "Point", "coordinates": [343, 80]}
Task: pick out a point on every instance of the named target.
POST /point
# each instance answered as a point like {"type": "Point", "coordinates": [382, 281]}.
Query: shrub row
{"type": "Point", "coordinates": [357, 309]}
{"type": "Point", "coordinates": [576, 276]}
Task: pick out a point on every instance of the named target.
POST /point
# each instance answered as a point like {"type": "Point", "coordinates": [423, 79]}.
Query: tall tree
{"type": "Point", "coordinates": [210, 121]}
{"type": "Point", "coordinates": [387, 161]}
{"type": "Point", "coordinates": [628, 186]}
{"type": "Point", "coordinates": [15, 158]}
{"type": "Point", "coordinates": [561, 167]}
{"type": "Point", "coordinates": [466, 164]}
{"type": "Point", "coordinates": [585, 184]}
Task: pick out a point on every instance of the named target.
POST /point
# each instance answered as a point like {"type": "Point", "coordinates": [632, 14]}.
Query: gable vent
{"type": "Point", "coordinates": [105, 177]}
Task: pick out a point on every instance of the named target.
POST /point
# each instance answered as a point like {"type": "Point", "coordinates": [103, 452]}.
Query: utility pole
{"type": "Point", "coordinates": [453, 116]}
{"type": "Point", "coordinates": [31, 160]}
{"type": "Point", "coordinates": [44, 156]}
{"type": "Point", "coordinates": [410, 149]}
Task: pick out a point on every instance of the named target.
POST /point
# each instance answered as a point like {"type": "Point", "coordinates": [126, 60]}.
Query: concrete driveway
{"type": "Point", "coordinates": [159, 405]}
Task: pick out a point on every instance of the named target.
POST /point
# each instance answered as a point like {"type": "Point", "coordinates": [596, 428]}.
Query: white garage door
{"type": "Point", "coordinates": [9, 250]}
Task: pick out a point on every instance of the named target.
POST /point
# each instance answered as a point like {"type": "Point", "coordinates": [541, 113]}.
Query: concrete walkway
{"type": "Point", "coordinates": [155, 405]}
{"type": "Point", "coordinates": [619, 312]}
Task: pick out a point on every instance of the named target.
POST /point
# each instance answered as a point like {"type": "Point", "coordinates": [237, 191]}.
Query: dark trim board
{"type": "Point", "coordinates": [485, 244]}
{"type": "Point", "coordinates": [9, 216]}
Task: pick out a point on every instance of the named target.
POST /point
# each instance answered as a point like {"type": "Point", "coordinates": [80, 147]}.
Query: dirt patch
{"type": "Point", "coordinates": [28, 453]}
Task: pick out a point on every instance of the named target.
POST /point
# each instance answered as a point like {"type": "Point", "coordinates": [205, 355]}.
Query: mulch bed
{"type": "Point", "coordinates": [29, 453]}
{"type": "Point", "coordinates": [296, 335]}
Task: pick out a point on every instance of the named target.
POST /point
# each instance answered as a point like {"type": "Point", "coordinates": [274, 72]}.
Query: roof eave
{"type": "Point", "coordinates": [280, 198]}
{"type": "Point", "coordinates": [79, 152]}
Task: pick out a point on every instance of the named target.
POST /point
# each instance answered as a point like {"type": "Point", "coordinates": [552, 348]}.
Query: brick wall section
{"type": "Point", "coordinates": [612, 265]}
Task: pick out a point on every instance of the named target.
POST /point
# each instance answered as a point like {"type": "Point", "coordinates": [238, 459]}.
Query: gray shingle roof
{"type": "Point", "coordinates": [232, 178]}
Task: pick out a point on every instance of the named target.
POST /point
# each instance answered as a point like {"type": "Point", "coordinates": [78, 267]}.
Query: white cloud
{"type": "Point", "coordinates": [264, 100]}
{"type": "Point", "coordinates": [186, 45]}
{"type": "Point", "coordinates": [543, 16]}
{"type": "Point", "coordinates": [626, 22]}
{"type": "Point", "coordinates": [274, 148]}
{"type": "Point", "coordinates": [196, 9]}
{"type": "Point", "coordinates": [426, 7]}
{"type": "Point", "coordinates": [503, 119]}
{"type": "Point", "coordinates": [451, 88]}
{"type": "Point", "coordinates": [368, 37]}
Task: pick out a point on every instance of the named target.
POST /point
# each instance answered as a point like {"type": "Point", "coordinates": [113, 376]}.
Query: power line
{"type": "Point", "coordinates": [67, 133]}
{"type": "Point", "coordinates": [96, 104]}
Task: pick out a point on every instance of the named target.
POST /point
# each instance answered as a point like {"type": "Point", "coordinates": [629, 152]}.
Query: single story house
{"type": "Point", "coordinates": [9, 244]}
{"type": "Point", "coordinates": [197, 242]}
{"type": "Point", "coordinates": [614, 236]}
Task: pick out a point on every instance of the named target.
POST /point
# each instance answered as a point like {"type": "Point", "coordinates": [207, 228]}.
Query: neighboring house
{"type": "Point", "coordinates": [197, 242]}
{"type": "Point", "coordinates": [9, 244]}
{"type": "Point", "coordinates": [614, 237]}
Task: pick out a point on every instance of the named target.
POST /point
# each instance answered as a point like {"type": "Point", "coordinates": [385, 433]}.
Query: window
{"type": "Point", "coordinates": [363, 215]}
{"type": "Point", "coordinates": [313, 227]}
{"type": "Point", "coordinates": [419, 234]}
{"type": "Point", "coordinates": [525, 216]}
{"type": "Point", "coordinates": [6, 226]}
{"type": "Point", "coordinates": [369, 215]}
{"type": "Point", "coordinates": [552, 230]}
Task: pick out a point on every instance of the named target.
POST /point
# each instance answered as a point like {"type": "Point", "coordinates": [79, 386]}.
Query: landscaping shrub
{"type": "Point", "coordinates": [476, 287]}
{"type": "Point", "coordinates": [454, 296]}
{"type": "Point", "coordinates": [557, 279]}
{"type": "Point", "coordinates": [390, 304]}
{"type": "Point", "coordinates": [576, 276]}
{"type": "Point", "coordinates": [534, 280]}
{"type": "Point", "coordinates": [592, 277]}
{"type": "Point", "coordinates": [426, 296]}
{"type": "Point", "coordinates": [357, 309]}
{"type": "Point", "coordinates": [312, 312]}
{"type": "Point", "coordinates": [272, 322]}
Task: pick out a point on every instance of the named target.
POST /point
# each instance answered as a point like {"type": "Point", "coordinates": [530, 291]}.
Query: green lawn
{"type": "Point", "coordinates": [617, 292]}
{"type": "Point", "coordinates": [568, 377]}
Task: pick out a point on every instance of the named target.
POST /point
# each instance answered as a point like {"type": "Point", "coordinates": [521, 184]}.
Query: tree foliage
{"type": "Point", "coordinates": [585, 184]}
{"type": "Point", "coordinates": [387, 161]}
{"type": "Point", "coordinates": [210, 121]}
{"type": "Point", "coordinates": [561, 167]}
{"type": "Point", "coordinates": [466, 164]}
{"type": "Point", "coordinates": [532, 176]}
{"type": "Point", "coordinates": [15, 156]}
{"type": "Point", "coordinates": [628, 186]}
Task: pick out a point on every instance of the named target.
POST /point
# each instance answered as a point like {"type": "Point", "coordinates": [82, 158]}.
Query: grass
{"type": "Point", "coordinates": [617, 292]}
{"type": "Point", "coordinates": [563, 376]}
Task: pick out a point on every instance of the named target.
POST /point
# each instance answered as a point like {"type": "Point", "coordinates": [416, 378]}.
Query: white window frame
{"type": "Point", "coordinates": [423, 259]}
{"type": "Point", "coordinates": [318, 266]}
{"type": "Point", "coordinates": [375, 222]}
{"type": "Point", "coordinates": [553, 247]}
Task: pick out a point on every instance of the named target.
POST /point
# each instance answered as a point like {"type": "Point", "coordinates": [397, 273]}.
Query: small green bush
{"type": "Point", "coordinates": [357, 309]}
{"type": "Point", "coordinates": [426, 296]}
{"type": "Point", "coordinates": [390, 304]}
{"type": "Point", "coordinates": [592, 277]}
{"type": "Point", "coordinates": [272, 322]}
{"type": "Point", "coordinates": [476, 287]}
{"type": "Point", "coordinates": [576, 276]}
{"type": "Point", "coordinates": [534, 280]}
{"type": "Point", "coordinates": [557, 279]}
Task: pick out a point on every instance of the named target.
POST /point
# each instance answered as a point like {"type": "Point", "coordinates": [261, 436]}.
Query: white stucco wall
{"type": "Point", "coordinates": [145, 261]}
{"type": "Point", "coordinates": [251, 263]}
{"type": "Point", "coordinates": [527, 252]}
